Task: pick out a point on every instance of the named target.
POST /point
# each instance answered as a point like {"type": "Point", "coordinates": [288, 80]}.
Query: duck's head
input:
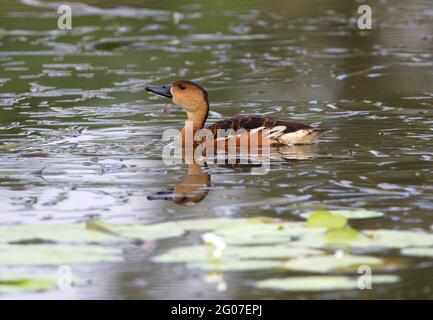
{"type": "Point", "coordinates": [186, 94]}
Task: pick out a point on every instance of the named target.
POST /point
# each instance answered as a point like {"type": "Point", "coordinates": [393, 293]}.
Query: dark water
{"type": "Point", "coordinates": [77, 99]}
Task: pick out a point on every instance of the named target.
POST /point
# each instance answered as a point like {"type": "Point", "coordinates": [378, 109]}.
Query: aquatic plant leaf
{"type": "Point", "coordinates": [204, 224]}
{"type": "Point", "coordinates": [331, 263]}
{"type": "Point", "coordinates": [265, 233]}
{"type": "Point", "coordinates": [209, 224]}
{"type": "Point", "coordinates": [100, 226]}
{"type": "Point", "coordinates": [371, 239]}
{"type": "Point", "coordinates": [418, 252]}
{"type": "Point", "coordinates": [94, 232]}
{"type": "Point", "coordinates": [46, 254]}
{"type": "Point", "coordinates": [325, 219]}
{"type": "Point", "coordinates": [218, 223]}
{"type": "Point", "coordinates": [146, 231]}
{"type": "Point", "coordinates": [204, 253]}
{"type": "Point", "coordinates": [270, 252]}
{"type": "Point", "coordinates": [322, 283]}
{"type": "Point", "coordinates": [397, 238]}
{"type": "Point", "coordinates": [297, 234]}
{"type": "Point", "coordinates": [349, 214]}
{"type": "Point", "coordinates": [342, 235]}
{"type": "Point", "coordinates": [235, 265]}
{"type": "Point", "coordinates": [52, 232]}
{"type": "Point", "coordinates": [17, 282]}
{"type": "Point", "coordinates": [23, 283]}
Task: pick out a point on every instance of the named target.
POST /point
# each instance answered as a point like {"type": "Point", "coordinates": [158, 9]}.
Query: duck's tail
{"type": "Point", "coordinates": [301, 136]}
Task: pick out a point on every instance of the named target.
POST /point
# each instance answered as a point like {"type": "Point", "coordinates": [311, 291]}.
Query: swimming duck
{"type": "Point", "coordinates": [193, 98]}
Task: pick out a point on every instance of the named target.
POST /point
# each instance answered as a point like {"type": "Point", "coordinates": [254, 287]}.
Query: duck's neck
{"type": "Point", "coordinates": [196, 120]}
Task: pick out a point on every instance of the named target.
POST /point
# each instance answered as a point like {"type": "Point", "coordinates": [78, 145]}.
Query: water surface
{"type": "Point", "coordinates": [81, 139]}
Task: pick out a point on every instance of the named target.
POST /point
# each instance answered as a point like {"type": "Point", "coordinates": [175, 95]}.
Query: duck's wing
{"type": "Point", "coordinates": [253, 122]}
{"type": "Point", "coordinates": [280, 131]}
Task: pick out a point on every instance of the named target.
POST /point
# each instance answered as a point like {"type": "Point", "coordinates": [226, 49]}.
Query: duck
{"type": "Point", "coordinates": [193, 99]}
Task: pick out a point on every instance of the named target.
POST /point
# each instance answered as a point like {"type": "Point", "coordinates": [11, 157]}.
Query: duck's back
{"type": "Point", "coordinates": [282, 131]}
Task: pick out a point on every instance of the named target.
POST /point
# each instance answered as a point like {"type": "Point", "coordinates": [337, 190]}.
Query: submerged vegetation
{"type": "Point", "coordinates": [322, 244]}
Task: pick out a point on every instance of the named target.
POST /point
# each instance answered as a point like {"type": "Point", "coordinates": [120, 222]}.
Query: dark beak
{"type": "Point", "coordinates": [161, 90]}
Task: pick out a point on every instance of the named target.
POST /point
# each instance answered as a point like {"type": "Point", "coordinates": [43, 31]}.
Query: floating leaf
{"type": "Point", "coordinates": [21, 283]}
{"type": "Point", "coordinates": [236, 265]}
{"type": "Point", "coordinates": [331, 262]}
{"type": "Point", "coordinates": [322, 283]}
{"type": "Point", "coordinates": [13, 282]}
{"type": "Point", "coordinates": [342, 235]}
{"type": "Point", "coordinates": [349, 214]}
{"type": "Point", "coordinates": [100, 226]}
{"type": "Point", "coordinates": [208, 224]}
{"type": "Point", "coordinates": [219, 223]}
{"type": "Point", "coordinates": [371, 239]}
{"type": "Point", "coordinates": [265, 233]}
{"type": "Point", "coordinates": [94, 232]}
{"type": "Point", "coordinates": [418, 252]}
{"type": "Point", "coordinates": [270, 252]}
{"type": "Point", "coordinates": [325, 219]}
{"type": "Point", "coordinates": [146, 231]}
{"type": "Point", "coordinates": [52, 232]}
{"type": "Point", "coordinates": [203, 253]}
{"type": "Point", "coordinates": [44, 254]}
{"type": "Point", "coordinates": [397, 239]}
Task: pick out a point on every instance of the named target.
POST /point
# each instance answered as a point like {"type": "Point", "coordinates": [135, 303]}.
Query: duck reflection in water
{"type": "Point", "coordinates": [192, 187]}
{"type": "Point", "coordinates": [195, 185]}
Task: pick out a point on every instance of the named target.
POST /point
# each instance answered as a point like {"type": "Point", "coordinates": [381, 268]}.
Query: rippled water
{"type": "Point", "coordinates": [80, 138]}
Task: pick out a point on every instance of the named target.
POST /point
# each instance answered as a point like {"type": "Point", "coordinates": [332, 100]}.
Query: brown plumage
{"type": "Point", "coordinates": [251, 122]}
{"type": "Point", "coordinates": [193, 98]}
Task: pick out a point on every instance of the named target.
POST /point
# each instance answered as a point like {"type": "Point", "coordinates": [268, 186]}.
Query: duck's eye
{"type": "Point", "coordinates": [182, 87]}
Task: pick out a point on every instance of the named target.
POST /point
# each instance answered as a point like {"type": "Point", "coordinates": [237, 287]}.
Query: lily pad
{"type": "Point", "coordinates": [397, 239]}
{"type": "Point", "coordinates": [322, 283]}
{"type": "Point", "coordinates": [371, 239]}
{"type": "Point", "coordinates": [220, 223]}
{"type": "Point", "coordinates": [29, 233]}
{"type": "Point", "coordinates": [18, 282]}
{"type": "Point", "coordinates": [146, 231]}
{"type": "Point", "coordinates": [270, 252]}
{"type": "Point", "coordinates": [236, 265]}
{"type": "Point", "coordinates": [342, 235]}
{"type": "Point", "coordinates": [207, 224]}
{"type": "Point", "coordinates": [22, 283]}
{"type": "Point", "coordinates": [265, 233]}
{"type": "Point", "coordinates": [203, 253]}
{"type": "Point", "coordinates": [44, 254]}
{"type": "Point", "coordinates": [329, 263]}
{"type": "Point", "coordinates": [80, 232]}
{"type": "Point", "coordinates": [418, 252]}
{"type": "Point", "coordinates": [325, 219]}
{"type": "Point", "coordinates": [349, 214]}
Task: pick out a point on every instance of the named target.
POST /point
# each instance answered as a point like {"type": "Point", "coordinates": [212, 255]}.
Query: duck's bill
{"type": "Point", "coordinates": [161, 90]}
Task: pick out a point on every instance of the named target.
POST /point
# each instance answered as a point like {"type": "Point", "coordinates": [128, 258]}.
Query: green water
{"type": "Point", "coordinates": [77, 99]}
